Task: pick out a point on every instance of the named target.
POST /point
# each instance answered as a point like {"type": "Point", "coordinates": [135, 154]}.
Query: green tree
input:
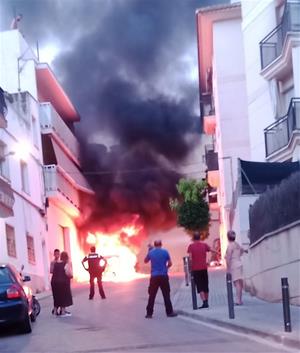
{"type": "Point", "coordinates": [191, 207]}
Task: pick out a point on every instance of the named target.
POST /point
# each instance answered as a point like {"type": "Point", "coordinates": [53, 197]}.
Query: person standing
{"type": "Point", "coordinates": [56, 255]}
{"type": "Point", "coordinates": [96, 266]}
{"type": "Point", "coordinates": [234, 264]}
{"type": "Point", "coordinates": [61, 281]}
{"type": "Point", "coordinates": [197, 252]}
{"type": "Point", "coordinates": [160, 263]}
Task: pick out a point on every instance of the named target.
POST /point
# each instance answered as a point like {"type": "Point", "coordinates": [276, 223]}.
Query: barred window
{"type": "Point", "coordinates": [4, 172]}
{"type": "Point", "coordinates": [11, 241]}
{"type": "Point", "coordinates": [30, 249]}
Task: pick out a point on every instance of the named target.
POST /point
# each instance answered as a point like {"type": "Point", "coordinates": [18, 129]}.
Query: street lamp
{"type": "Point", "coordinates": [11, 153]}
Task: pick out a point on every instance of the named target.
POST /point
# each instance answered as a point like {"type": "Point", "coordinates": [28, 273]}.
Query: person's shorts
{"type": "Point", "coordinates": [201, 280]}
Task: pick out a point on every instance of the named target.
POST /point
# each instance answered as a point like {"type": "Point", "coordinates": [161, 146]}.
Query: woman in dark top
{"type": "Point", "coordinates": [61, 284]}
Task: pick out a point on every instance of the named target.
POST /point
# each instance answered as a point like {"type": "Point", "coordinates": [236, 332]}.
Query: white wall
{"type": "Point", "coordinates": [27, 217]}
{"type": "Point", "coordinates": [296, 70]}
{"type": "Point", "coordinates": [231, 109]}
{"type": "Point", "coordinates": [57, 218]}
{"type": "Point", "coordinates": [258, 20]}
{"type": "Point", "coordinates": [12, 47]}
{"type": "Point", "coordinates": [271, 259]}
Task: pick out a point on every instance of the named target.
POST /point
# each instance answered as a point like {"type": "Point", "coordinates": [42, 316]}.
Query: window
{"type": "Point", "coordinates": [35, 132]}
{"type": "Point", "coordinates": [24, 177]}
{"type": "Point", "coordinates": [10, 241]}
{"type": "Point", "coordinates": [4, 171]}
{"type": "Point", "coordinates": [30, 249]}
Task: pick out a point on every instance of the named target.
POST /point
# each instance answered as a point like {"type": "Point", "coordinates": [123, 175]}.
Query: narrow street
{"type": "Point", "coordinates": [117, 324]}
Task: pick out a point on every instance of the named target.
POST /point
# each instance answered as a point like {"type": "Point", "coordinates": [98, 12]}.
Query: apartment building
{"type": "Point", "coordinates": [222, 83]}
{"type": "Point", "coordinates": [272, 55]}
{"type": "Point", "coordinates": [54, 181]}
{"type": "Point", "coordinates": [22, 221]}
{"type": "Point", "coordinates": [249, 77]}
{"type": "Point", "coordinates": [271, 36]}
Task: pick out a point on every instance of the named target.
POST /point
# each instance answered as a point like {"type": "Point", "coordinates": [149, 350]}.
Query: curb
{"type": "Point", "coordinates": [288, 342]}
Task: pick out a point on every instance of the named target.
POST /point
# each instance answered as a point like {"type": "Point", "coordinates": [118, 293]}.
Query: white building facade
{"type": "Point", "coordinates": [272, 56]}
{"type": "Point", "coordinates": [48, 186]}
{"type": "Point", "coordinates": [249, 62]}
{"type": "Point", "coordinates": [249, 88]}
{"type": "Point", "coordinates": [224, 103]}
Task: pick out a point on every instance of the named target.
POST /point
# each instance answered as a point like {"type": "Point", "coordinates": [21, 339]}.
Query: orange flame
{"type": "Point", "coordinates": [121, 258]}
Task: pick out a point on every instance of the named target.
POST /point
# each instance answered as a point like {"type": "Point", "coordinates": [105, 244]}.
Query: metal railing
{"type": "Point", "coordinates": [3, 106]}
{"type": "Point", "coordinates": [271, 46]}
{"type": "Point", "coordinates": [278, 134]}
{"type": "Point", "coordinates": [51, 121]}
{"type": "Point", "coordinates": [211, 158]}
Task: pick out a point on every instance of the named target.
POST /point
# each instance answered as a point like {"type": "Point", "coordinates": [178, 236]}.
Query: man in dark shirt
{"type": "Point", "coordinates": [197, 252]}
{"type": "Point", "coordinates": [96, 266]}
{"type": "Point", "coordinates": [160, 262]}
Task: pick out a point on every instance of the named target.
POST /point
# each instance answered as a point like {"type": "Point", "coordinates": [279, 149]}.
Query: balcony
{"type": "Point", "coordinates": [208, 113]}
{"type": "Point", "coordinates": [280, 134]}
{"type": "Point", "coordinates": [60, 188]}
{"type": "Point", "coordinates": [211, 159]}
{"type": "Point", "coordinates": [21, 103]}
{"type": "Point", "coordinates": [274, 45]}
{"type": "Point", "coordinates": [52, 123]}
{"type": "Point", "coordinates": [3, 110]}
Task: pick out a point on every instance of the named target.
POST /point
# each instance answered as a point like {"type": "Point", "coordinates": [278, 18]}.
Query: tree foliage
{"type": "Point", "coordinates": [191, 207]}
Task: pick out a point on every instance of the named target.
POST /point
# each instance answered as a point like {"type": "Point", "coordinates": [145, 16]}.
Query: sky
{"type": "Point", "coordinates": [130, 67]}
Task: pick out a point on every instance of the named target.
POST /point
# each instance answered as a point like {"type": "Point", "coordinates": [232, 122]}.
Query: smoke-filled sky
{"type": "Point", "coordinates": [130, 67]}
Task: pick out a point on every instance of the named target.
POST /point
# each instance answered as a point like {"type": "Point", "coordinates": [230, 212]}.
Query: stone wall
{"type": "Point", "coordinates": [272, 257]}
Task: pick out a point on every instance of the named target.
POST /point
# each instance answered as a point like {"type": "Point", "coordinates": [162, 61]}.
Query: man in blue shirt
{"type": "Point", "coordinates": [160, 262]}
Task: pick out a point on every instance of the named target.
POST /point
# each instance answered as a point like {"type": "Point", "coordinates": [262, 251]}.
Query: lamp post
{"type": "Point", "coordinates": [11, 153]}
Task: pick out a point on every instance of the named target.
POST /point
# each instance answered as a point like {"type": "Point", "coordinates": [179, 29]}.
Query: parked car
{"type": "Point", "coordinates": [16, 305]}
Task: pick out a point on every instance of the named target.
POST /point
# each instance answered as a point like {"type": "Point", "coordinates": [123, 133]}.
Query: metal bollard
{"type": "Point", "coordinates": [186, 269]}
{"type": "Point", "coordinates": [286, 304]}
{"type": "Point", "coordinates": [230, 296]}
{"type": "Point", "coordinates": [193, 287]}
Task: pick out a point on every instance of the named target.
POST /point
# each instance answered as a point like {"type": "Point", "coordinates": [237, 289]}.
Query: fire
{"type": "Point", "coordinates": [121, 257]}
{"type": "Point", "coordinates": [91, 239]}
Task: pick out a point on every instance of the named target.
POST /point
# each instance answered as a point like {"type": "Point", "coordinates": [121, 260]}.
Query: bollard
{"type": "Point", "coordinates": [286, 304]}
{"type": "Point", "coordinates": [193, 287]}
{"type": "Point", "coordinates": [186, 269]}
{"type": "Point", "coordinates": [230, 296]}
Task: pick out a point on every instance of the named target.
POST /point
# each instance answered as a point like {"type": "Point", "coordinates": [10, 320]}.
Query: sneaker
{"type": "Point", "coordinates": [91, 298]}
{"type": "Point", "coordinates": [148, 316]}
{"type": "Point", "coordinates": [172, 315]}
{"type": "Point", "coordinates": [66, 314]}
{"type": "Point", "coordinates": [203, 306]}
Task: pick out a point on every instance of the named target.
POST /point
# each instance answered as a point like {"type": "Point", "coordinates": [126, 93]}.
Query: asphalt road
{"type": "Point", "coordinates": [117, 324]}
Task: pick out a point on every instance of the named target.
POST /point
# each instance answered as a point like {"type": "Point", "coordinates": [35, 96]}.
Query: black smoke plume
{"type": "Point", "coordinates": [126, 66]}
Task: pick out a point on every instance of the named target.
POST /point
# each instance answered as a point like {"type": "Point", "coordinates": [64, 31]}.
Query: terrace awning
{"type": "Point", "coordinates": [258, 176]}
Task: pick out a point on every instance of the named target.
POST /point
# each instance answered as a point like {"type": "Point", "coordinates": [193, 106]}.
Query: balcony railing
{"type": "Point", "coordinates": [3, 110]}
{"type": "Point", "coordinates": [278, 134]}
{"type": "Point", "coordinates": [56, 182]}
{"type": "Point", "coordinates": [271, 46]}
{"type": "Point", "coordinates": [51, 122]}
{"type": "Point", "coordinates": [211, 158]}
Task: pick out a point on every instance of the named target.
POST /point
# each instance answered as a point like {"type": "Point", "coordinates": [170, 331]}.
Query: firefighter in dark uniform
{"type": "Point", "coordinates": [96, 267]}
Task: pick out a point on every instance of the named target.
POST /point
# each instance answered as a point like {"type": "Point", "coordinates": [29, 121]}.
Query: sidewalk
{"type": "Point", "coordinates": [255, 317]}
